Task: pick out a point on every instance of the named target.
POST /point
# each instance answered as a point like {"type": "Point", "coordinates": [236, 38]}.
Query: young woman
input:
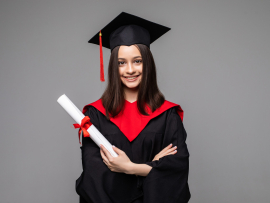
{"type": "Point", "coordinates": [146, 130]}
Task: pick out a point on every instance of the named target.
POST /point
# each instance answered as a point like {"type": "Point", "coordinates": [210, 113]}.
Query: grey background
{"type": "Point", "coordinates": [214, 63]}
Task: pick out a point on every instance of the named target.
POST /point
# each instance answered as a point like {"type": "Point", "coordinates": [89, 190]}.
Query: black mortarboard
{"type": "Point", "coordinates": [127, 29]}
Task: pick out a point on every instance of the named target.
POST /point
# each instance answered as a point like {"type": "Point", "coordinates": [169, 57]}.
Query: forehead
{"type": "Point", "coordinates": [128, 51]}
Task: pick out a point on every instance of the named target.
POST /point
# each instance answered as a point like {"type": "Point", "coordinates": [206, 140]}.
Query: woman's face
{"type": "Point", "coordinates": [130, 65]}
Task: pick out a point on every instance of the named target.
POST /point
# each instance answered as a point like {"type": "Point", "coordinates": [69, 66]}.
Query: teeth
{"type": "Point", "coordinates": [131, 77]}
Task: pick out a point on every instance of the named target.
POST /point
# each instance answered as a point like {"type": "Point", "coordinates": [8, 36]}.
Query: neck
{"type": "Point", "coordinates": [131, 94]}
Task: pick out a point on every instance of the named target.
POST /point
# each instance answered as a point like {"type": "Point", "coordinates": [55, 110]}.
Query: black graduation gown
{"type": "Point", "coordinates": [166, 182]}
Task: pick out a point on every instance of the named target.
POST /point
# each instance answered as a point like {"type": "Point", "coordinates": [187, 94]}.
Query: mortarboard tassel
{"type": "Point", "coordinates": [101, 59]}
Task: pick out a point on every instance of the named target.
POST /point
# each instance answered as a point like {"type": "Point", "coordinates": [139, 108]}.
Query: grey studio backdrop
{"type": "Point", "coordinates": [214, 62]}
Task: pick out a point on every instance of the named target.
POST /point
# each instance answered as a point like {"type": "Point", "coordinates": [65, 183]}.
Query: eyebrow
{"type": "Point", "coordinates": [133, 57]}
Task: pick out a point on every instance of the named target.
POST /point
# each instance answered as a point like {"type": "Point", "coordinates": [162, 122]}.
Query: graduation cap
{"type": "Point", "coordinates": [126, 29]}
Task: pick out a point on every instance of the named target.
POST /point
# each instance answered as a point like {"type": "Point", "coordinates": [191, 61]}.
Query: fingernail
{"type": "Point", "coordinates": [175, 150]}
{"type": "Point", "coordinates": [170, 144]}
{"type": "Point", "coordinates": [113, 146]}
{"type": "Point", "coordinates": [174, 146]}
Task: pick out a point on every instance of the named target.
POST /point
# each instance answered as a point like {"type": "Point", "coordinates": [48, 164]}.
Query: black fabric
{"type": "Point", "coordinates": [166, 182]}
{"type": "Point", "coordinates": [128, 35]}
{"type": "Point", "coordinates": [128, 29]}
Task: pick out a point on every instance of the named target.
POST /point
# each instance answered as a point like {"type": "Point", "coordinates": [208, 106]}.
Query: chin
{"type": "Point", "coordinates": [131, 86]}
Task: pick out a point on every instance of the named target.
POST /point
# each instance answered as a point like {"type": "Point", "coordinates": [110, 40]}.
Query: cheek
{"type": "Point", "coordinates": [120, 71]}
{"type": "Point", "coordinates": [141, 68]}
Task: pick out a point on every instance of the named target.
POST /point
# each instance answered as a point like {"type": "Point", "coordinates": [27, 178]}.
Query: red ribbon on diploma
{"type": "Point", "coordinates": [85, 124]}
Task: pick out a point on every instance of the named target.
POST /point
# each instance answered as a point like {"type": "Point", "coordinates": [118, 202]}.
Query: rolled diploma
{"type": "Point", "coordinates": [77, 115]}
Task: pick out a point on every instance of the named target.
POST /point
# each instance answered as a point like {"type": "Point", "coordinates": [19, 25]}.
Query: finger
{"type": "Point", "coordinates": [174, 152]}
{"type": "Point", "coordinates": [164, 152]}
{"type": "Point", "coordinates": [172, 149]}
{"type": "Point", "coordinates": [117, 150]}
{"type": "Point", "coordinates": [166, 148]}
{"type": "Point", "coordinates": [105, 162]}
{"type": "Point", "coordinates": [106, 152]}
{"type": "Point", "coordinates": [169, 146]}
{"type": "Point", "coordinates": [103, 155]}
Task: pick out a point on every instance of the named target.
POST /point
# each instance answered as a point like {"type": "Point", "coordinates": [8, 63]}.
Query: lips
{"type": "Point", "coordinates": [129, 77]}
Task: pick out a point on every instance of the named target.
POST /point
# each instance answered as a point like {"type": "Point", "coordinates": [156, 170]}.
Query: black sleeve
{"type": "Point", "coordinates": [90, 149]}
{"type": "Point", "coordinates": [92, 114]}
{"type": "Point", "coordinates": [97, 184]}
{"type": "Point", "coordinates": [167, 181]}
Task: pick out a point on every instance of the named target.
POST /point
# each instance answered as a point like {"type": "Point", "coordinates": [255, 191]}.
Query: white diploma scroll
{"type": "Point", "coordinates": [77, 115]}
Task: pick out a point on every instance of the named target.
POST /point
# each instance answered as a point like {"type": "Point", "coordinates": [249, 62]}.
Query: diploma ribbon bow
{"type": "Point", "coordinates": [85, 124]}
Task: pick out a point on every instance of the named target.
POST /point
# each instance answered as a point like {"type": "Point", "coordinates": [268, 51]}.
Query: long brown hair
{"type": "Point", "coordinates": [113, 98]}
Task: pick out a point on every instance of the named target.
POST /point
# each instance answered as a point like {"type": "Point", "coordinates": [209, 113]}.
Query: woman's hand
{"type": "Point", "coordinates": [120, 164]}
{"type": "Point", "coordinates": [166, 151]}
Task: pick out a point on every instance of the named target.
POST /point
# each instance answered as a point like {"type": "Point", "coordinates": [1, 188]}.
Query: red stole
{"type": "Point", "coordinates": [130, 121]}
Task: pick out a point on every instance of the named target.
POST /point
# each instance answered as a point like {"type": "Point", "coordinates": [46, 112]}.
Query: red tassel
{"type": "Point", "coordinates": [101, 59]}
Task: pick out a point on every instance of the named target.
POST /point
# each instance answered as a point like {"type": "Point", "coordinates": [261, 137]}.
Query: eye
{"type": "Point", "coordinates": [138, 61]}
{"type": "Point", "coordinates": [121, 62]}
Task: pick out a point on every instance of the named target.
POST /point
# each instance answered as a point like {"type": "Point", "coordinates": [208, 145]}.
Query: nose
{"type": "Point", "coordinates": [130, 69]}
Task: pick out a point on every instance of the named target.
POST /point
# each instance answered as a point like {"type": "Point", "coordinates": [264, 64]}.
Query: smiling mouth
{"type": "Point", "coordinates": [131, 77]}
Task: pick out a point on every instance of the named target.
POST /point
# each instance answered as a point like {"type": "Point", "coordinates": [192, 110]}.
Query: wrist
{"type": "Point", "coordinates": [130, 168]}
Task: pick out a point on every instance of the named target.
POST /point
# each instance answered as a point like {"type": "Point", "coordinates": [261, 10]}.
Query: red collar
{"type": "Point", "coordinates": [130, 121]}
